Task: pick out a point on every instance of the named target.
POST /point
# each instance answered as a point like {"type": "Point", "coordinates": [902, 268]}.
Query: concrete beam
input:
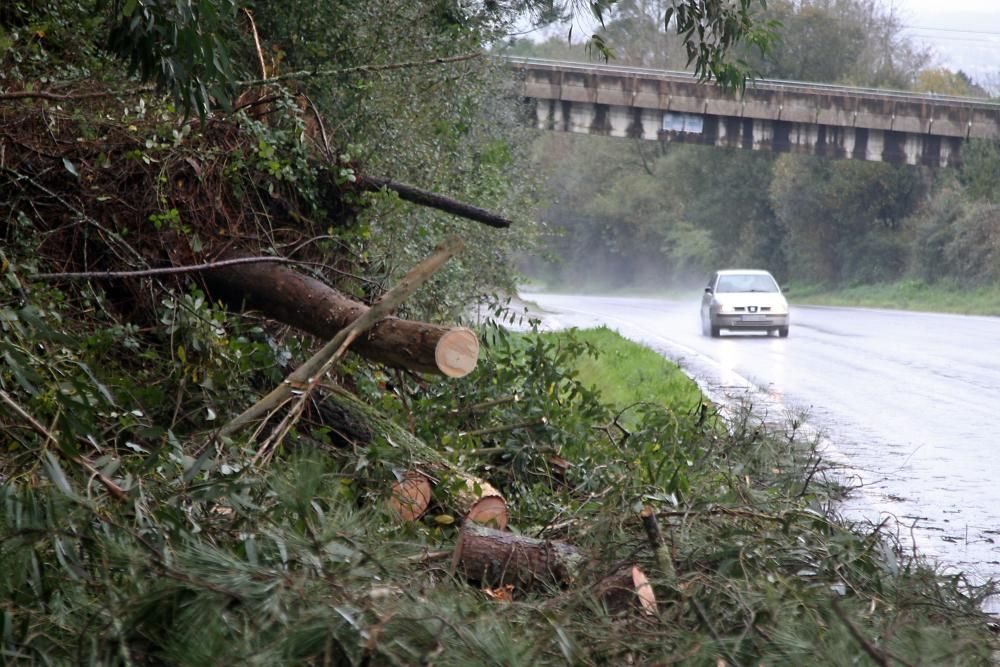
{"type": "Point", "coordinates": [852, 123]}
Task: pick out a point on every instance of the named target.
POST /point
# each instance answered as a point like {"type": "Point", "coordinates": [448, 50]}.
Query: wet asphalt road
{"type": "Point", "coordinates": [909, 402]}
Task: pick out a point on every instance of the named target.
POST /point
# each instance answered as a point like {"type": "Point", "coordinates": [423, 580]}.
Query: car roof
{"type": "Point", "coordinates": [742, 272]}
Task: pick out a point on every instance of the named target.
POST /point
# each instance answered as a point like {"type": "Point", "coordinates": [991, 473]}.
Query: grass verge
{"type": "Point", "coordinates": [628, 374]}
{"type": "Point", "coordinates": [905, 295]}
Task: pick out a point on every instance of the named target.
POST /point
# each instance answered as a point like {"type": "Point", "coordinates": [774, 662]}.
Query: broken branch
{"type": "Point", "coordinates": [422, 197]}
{"type": "Point", "coordinates": [307, 376]}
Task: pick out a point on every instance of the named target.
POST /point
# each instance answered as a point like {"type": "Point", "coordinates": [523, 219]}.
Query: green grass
{"type": "Point", "coordinates": [904, 295]}
{"type": "Point", "coordinates": [627, 373]}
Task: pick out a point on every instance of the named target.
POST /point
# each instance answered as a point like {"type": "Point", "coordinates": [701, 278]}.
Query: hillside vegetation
{"type": "Point", "coordinates": [220, 450]}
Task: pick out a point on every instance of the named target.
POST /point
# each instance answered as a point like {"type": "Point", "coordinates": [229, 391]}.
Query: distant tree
{"type": "Point", "coordinates": [859, 42]}
{"type": "Point", "coordinates": [943, 81]}
{"type": "Point", "coordinates": [980, 170]}
{"type": "Point", "coordinates": [843, 220]}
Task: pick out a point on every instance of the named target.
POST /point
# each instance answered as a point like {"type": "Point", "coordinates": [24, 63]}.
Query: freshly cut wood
{"type": "Point", "coordinates": [628, 588]}
{"type": "Point", "coordinates": [489, 511]}
{"type": "Point", "coordinates": [286, 295]}
{"type": "Point", "coordinates": [472, 498]}
{"type": "Point", "coordinates": [410, 496]}
{"type": "Point", "coordinates": [644, 592]}
{"type": "Point", "coordinates": [479, 501]}
{"type": "Point", "coordinates": [457, 352]}
{"type": "Point", "coordinates": [495, 558]}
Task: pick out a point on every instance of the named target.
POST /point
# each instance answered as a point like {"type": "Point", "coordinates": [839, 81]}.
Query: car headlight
{"type": "Point", "coordinates": [724, 308]}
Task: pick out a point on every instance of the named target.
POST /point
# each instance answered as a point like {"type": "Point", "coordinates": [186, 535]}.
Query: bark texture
{"type": "Point", "coordinates": [494, 557]}
{"type": "Point", "coordinates": [305, 303]}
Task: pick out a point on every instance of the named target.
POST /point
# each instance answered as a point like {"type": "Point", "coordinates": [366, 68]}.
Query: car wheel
{"type": "Point", "coordinates": [716, 331]}
{"type": "Point", "coordinates": [783, 332]}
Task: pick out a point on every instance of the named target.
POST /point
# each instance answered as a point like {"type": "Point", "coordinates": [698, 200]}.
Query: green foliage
{"type": "Point", "coordinates": [48, 39]}
{"type": "Point", "coordinates": [980, 170]}
{"type": "Point", "coordinates": [945, 295]}
{"type": "Point", "coordinates": [182, 45]}
{"type": "Point", "coordinates": [114, 388]}
{"type": "Point", "coordinates": [842, 218]}
{"type": "Point", "coordinates": [855, 42]}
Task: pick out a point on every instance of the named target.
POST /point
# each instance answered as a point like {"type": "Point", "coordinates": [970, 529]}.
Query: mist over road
{"type": "Point", "coordinates": [910, 401]}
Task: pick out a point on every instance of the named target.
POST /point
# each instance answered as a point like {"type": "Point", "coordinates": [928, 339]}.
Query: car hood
{"type": "Point", "coordinates": [760, 299]}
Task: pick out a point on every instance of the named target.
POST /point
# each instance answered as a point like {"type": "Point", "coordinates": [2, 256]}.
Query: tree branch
{"type": "Point", "coordinates": [60, 97]}
{"type": "Point", "coordinates": [307, 376]}
{"type": "Point", "coordinates": [115, 490]}
{"type": "Point", "coordinates": [145, 273]}
{"type": "Point", "coordinates": [431, 199]}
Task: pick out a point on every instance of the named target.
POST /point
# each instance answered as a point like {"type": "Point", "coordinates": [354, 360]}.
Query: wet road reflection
{"type": "Point", "coordinates": [910, 401]}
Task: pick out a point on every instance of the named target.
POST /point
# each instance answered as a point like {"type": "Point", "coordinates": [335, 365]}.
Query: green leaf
{"type": "Point", "coordinates": [70, 168]}
{"type": "Point", "coordinates": [57, 476]}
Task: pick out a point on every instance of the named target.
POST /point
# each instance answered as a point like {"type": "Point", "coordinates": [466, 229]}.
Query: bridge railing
{"type": "Point", "coordinates": [777, 85]}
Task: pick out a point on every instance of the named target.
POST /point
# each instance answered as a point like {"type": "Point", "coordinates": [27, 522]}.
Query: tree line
{"type": "Point", "coordinates": [642, 214]}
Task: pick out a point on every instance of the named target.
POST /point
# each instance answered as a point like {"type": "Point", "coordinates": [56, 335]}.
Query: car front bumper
{"type": "Point", "coordinates": [749, 322]}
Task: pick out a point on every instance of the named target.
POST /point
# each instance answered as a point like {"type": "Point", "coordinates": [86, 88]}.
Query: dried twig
{"type": "Point", "coordinates": [877, 654]}
{"type": "Point", "coordinates": [115, 490]}
{"type": "Point", "coordinates": [541, 421]}
{"type": "Point", "coordinates": [167, 270]}
{"type": "Point", "coordinates": [83, 216]}
{"type": "Point", "coordinates": [485, 405]}
{"type": "Point", "coordinates": [256, 42]}
{"type": "Point", "coordinates": [70, 97]}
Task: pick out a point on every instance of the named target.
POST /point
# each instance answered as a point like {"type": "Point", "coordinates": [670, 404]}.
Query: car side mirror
{"type": "Point", "coordinates": [708, 290]}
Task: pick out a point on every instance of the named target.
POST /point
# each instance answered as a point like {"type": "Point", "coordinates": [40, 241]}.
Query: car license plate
{"type": "Point", "coordinates": [753, 318]}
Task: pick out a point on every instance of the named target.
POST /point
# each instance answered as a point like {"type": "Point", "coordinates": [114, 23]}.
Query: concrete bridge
{"type": "Point", "coordinates": [779, 116]}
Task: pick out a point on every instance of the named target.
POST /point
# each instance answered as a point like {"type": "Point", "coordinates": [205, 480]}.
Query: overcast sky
{"type": "Point", "coordinates": [964, 34]}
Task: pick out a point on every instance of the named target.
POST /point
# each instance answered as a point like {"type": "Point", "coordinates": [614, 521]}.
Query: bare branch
{"type": "Point", "coordinates": [70, 97]}
{"type": "Point", "coordinates": [115, 490]}
{"type": "Point", "coordinates": [145, 273]}
{"type": "Point", "coordinates": [431, 199]}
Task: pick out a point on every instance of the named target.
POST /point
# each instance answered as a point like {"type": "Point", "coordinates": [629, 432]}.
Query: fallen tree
{"type": "Point", "coordinates": [288, 296]}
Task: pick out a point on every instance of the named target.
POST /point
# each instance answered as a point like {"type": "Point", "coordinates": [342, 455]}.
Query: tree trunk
{"type": "Point", "coordinates": [307, 304]}
{"type": "Point", "coordinates": [494, 557]}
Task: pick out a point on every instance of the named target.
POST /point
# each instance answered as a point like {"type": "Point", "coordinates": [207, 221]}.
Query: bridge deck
{"type": "Point", "coordinates": [821, 104]}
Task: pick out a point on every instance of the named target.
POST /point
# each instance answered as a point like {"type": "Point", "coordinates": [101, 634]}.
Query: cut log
{"type": "Point", "coordinates": [489, 511]}
{"type": "Point", "coordinates": [410, 496]}
{"type": "Point", "coordinates": [470, 497]}
{"type": "Point", "coordinates": [664, 557]}
{"type": "Point", "coordinates": [480, 502]}
{"type": "Point", "coordinates": [628, 589]}
{"type": "Point", "coordinates": [495, 558]}
{"type": "Point", "coordinates": [290, 297]}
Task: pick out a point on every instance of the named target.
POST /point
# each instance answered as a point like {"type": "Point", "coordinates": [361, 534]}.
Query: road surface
{"type": "Point", "coordinates": [910, 402]}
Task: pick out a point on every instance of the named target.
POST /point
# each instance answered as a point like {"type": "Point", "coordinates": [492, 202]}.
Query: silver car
{"type": "Point", "coordinates": [743, 300]}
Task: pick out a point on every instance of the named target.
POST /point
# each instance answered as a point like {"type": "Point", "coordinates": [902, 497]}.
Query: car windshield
{"type": "Point", "coordinates": [746, 282]}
